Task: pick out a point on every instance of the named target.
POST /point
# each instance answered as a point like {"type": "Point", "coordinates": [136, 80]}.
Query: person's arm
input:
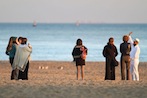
{"type": "Point", "coordinates": [29, 49]}
{"type": "Point", "coordinates": [116, 52]}
{"type": "Point", "coordinates": [104, 51]}
{"type": "Point", "coordinates": [121, 48]}
{"type": "Point", "coordinates": [130, 39]}
{"type": "Point", "coordinates": [86, 49]}
{"type": "Point", "coordinates": [73, 51]}
{"type": "Point", "coordinates": [29, 45]}
{"type": "Point", "coordinates": [7, 52]}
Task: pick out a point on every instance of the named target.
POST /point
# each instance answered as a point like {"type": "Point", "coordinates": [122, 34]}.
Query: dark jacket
{"type": "Point", "coordinates": [110, 51]}
{"type": "Point", "coordinates": [125, 49]}
{"type": "Point", "coordinates": [76, 53]}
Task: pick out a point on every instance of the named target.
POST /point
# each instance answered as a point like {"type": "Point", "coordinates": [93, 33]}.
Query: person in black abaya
{"type": "Point", "coordinates": [110, 52]}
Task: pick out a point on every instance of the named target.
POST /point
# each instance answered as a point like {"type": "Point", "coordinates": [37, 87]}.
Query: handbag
{"type": "Point", "coordinates": [115, 62]}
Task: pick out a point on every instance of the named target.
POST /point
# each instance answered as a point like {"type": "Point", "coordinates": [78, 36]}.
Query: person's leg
{"type": "Point", "coordinates": [122, 68]}
{"type": "Point", "coordinates": [25, 73]}
{"type": "Point", "coordinates": [108, 69]}
{"type": "Point", "coordinates": [128, 68]}
{"type": "Point", "coordinates": [78, 72]}
{"type": "Point", "coordinates": [27, 69]}
{"type": "Point", "coordinates": [20, 76]}
{"type": "Point", "coordinates": [82, 72]}
{"type": "Point", "coordinates": [112, 72]}
{"type": "Point", "coordinates": [13, 72]}
{"type": "Point", "coordinates": [16, 71]}
{"type": "Point", "coordinates": [128, 71]}
{"type": "Point", "coordinates": [132, 70]}
{"type": "Point", "coordinates": [136, 73]}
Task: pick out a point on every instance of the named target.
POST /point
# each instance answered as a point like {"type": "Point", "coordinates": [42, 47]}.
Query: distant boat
{"type": "Point", "coordinates": [34, 24]}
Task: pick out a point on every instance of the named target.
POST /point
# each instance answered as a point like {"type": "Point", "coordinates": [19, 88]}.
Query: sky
{"type": "Point", "coordinates": [71, 11]}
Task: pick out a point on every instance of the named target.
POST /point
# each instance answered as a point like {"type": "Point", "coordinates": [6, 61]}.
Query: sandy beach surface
{"type": "Point", "coordinates": [55, 79]}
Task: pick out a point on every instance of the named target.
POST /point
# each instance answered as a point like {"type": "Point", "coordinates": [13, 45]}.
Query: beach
{"type": "Point", "coordinates": [57, 79]}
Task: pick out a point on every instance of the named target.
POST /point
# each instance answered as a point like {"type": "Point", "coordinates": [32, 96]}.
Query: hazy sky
{"type": "Point", "coordinates": [59, 11]}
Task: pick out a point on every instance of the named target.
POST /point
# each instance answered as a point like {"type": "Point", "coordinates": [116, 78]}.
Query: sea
{"type": "Point", "coordinates": [55, 42]}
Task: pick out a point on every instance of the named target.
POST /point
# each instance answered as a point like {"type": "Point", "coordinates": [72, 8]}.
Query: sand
{"type": "Point", "coordinates": [54, 79]}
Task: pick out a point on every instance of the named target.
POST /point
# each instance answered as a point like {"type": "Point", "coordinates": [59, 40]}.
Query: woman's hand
{"type": "Point", "coordinates": [130, 33]}
{"type": "Point", "coordinates": [29, 45]}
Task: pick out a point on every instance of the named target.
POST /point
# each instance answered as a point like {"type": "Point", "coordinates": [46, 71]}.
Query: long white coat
{"type": "Point", "coordinates": [21, 57]}
{"type": "Point", "coordinates": [134, 55]}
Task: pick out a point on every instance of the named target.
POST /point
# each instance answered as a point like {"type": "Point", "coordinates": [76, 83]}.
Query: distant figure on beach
{"type": "Point", "coordinates": [21, 60]}
{"type": "Point", "coordinates": [110, 52]}
{"type": "Point", "coordinates": [135, 52]}
{"type": "Point", "coordinates": [10, 51]}
{"type": "Point", "coordinates": [125, 49]}
{"type": "Point", "coordinates": [79, 53]}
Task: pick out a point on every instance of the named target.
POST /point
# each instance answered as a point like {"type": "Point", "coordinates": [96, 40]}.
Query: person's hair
{"type": "Point", "coordinates": [10, 43]}
{"type": "Point", "coordinates": [20, 38]}
{"type": "Point", "coordinates": [79, 42]}
{"type": "Point", "coordinates": [125, 38]}
{"type": "Point", "coordinates": [111, 38]}
{"type": "Point", "coordinates": [24, 41]}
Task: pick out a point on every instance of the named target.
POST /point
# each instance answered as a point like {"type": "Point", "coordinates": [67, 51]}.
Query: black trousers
{"type": "Point", "coordinates": [13, 71]}
{"type": "Point", "coordinates": [24, 75]}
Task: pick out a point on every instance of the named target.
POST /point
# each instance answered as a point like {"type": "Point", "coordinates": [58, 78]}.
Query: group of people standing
{"type": "Point", "coordinates": [129, 60]}
{"type": "Point", "coordinates": [19, 52]}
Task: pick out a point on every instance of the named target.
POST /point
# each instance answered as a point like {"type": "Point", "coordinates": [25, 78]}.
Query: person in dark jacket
{"type": "Point", "coordinates": [110, 52]}
{"type": "Point", "coordinates": [125, 49]}
{"type": "Point", "coordinates": [80, 61]}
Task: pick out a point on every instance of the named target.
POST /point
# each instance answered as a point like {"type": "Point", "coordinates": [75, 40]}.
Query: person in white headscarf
{"type": "Point", "coordinates": [134, 55]}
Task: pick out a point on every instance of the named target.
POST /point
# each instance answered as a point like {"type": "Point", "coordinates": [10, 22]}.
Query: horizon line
{"type": "Point", "coordinates": [65, 23]}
